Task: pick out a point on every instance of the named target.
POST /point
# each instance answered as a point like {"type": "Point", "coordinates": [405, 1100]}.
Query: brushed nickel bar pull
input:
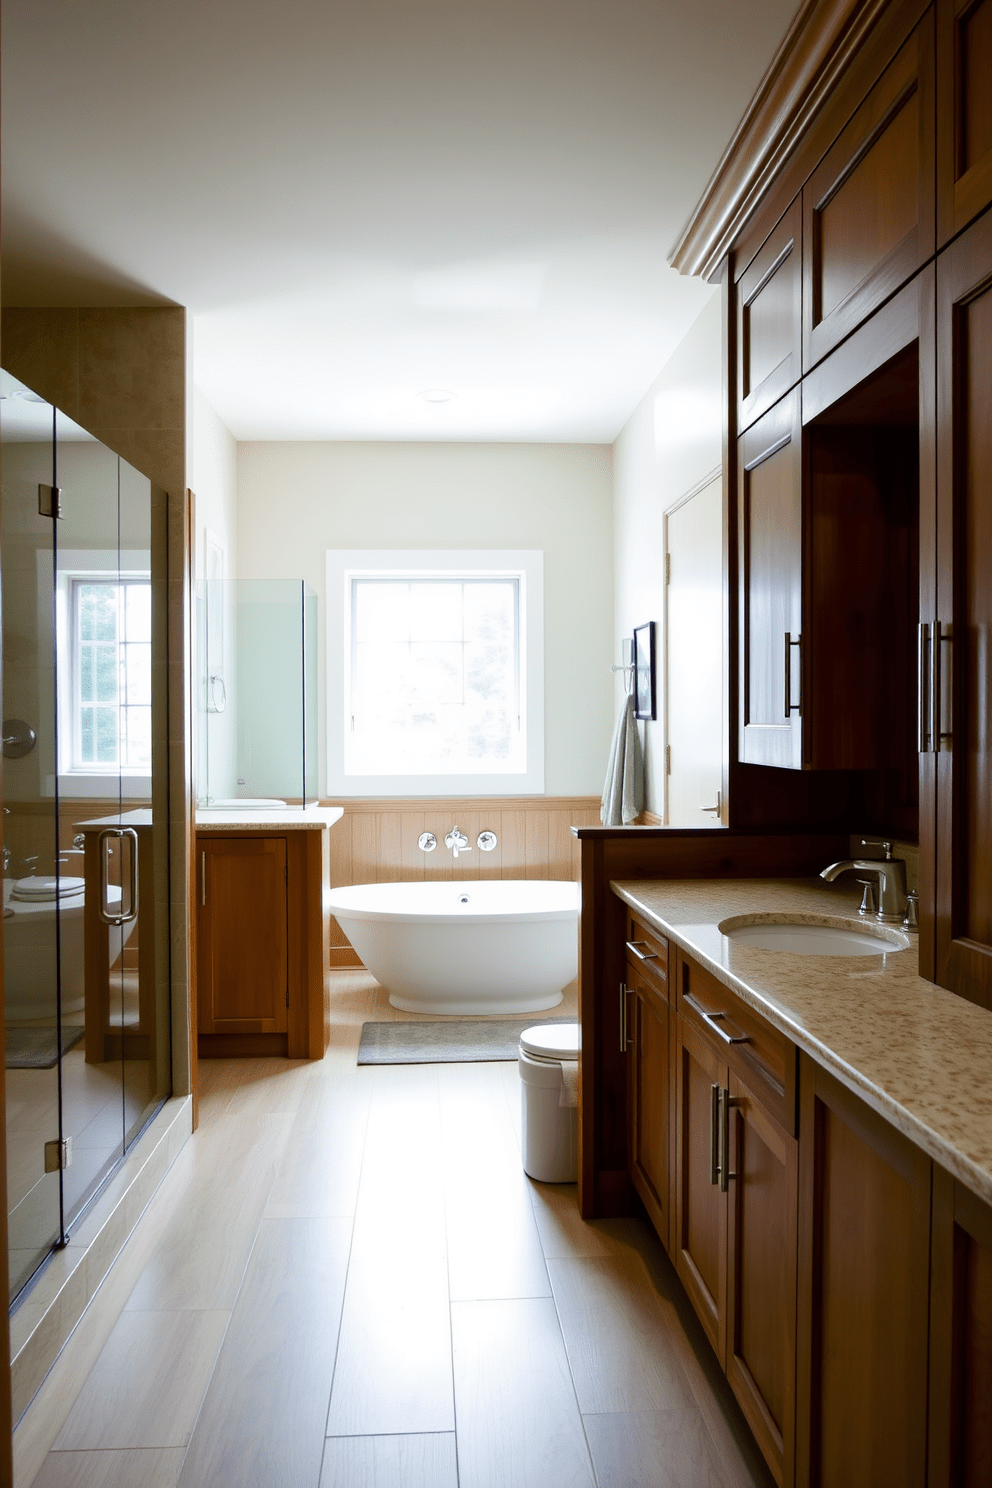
{"type": "Point", "coordinates": [714, 1134]}
{"type": "Point", "coordinates": [132, 903]}
{"type": "Point", "coordinates": [623, 1018]}
{"type": "Point", "coordinates": [725, 1174]}
{"type": "Point", "coordinates": [923, 740]}
{"type": "Point", "coordinates": [632, 946]}
{"type": "Point", "coordinates": [941, 637]}
{"type": "Point", "coordinates": [203, 879]}
{"type": "Point", "coordinates": [711, 1020]}
{"type": "Point", "coordinates": [790, 706]}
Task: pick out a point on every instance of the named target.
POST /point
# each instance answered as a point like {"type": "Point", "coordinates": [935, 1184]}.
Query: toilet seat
{"type": "Point", "coordinates": [551, 1042]}
{"type": "Point", "coordinates": [40, 889]}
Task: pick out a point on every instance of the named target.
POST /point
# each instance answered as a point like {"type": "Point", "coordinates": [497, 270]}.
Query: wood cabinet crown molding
{"type": "Point", "coordinates": [819, 45]}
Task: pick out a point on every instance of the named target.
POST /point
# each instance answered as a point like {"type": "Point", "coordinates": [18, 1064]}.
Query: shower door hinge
{"type": "Point", "coordinates": [58, 1154]}
{"type": "Point", "coordinates": [49, 501]}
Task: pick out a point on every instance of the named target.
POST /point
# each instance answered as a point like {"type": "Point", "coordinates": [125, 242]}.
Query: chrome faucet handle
{"type": "Point", "coordinates": [912, 920]}
{"type": "Point", "coordinates": [868, 905]}
{"type": "Point", "coordinates": [427, 842]}
{"type": "Point", "coordinates": [457, 841]}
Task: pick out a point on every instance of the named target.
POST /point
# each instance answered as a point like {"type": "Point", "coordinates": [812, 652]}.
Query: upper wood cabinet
{"type": "Point", "coordinates": [959, 693]}
{"type": "Point", "coordinates": [868, 208]}
{"type": "Point", "coordinates": [769, 468]}
{"type": "Point", "coordinates": [964, 113]}
{"type": "Point", "coordinates": [864, 1269]}
{"type": "Point", "coordinates": [769, 319]}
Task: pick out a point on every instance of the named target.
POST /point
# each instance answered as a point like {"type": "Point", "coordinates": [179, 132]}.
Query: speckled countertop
{"type": "Point", "coordinates": [271, 818]}
{"type": "Point", "coordinates": [919, 1055]}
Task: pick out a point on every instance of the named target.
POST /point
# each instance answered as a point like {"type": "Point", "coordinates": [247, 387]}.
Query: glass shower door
{"type": "Point", "coordinates": [31, 878]}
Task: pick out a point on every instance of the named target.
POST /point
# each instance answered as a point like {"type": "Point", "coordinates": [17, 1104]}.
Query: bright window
{"type": "Point", "coordinates": [435, 671]}
{"type": "Point", "coordinates": [111, 690]}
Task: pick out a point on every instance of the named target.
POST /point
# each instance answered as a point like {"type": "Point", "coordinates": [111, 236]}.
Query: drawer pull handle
{"type": "Point", "coordinates": [726, 1100]}
{"type": "Point", "coordinates": [714, 1134]}
{"type": "Point", "coordinates": [711, 1019]}
{"type": "Point", "coordinates": [632, 946]}
{"type": "Point", "coordinates": [624, 1041]}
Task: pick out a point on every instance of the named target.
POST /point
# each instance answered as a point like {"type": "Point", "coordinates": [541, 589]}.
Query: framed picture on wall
{"type": "Point", "coordinates": [644, 691]}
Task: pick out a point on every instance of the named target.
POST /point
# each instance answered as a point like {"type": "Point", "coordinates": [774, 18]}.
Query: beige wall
{"type": "Point", "coordinates": [214, 481]}
{"type": "Point", "coordinates": [671, 442]}
{"type": "Point", "coordinates": [297, 500]}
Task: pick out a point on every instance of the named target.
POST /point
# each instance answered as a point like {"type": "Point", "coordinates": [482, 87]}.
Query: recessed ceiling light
{"type": "Point", "coordinates": [437, 395]}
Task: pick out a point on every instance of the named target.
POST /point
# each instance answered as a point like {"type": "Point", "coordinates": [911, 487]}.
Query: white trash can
{"type": "Point", "coordinates": [549, 1101]}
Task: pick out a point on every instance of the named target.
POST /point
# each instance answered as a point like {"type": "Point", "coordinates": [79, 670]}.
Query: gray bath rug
{"type": "Point", "coordinates": [455, 1041]}
{"type": "Point", "coordinates": [35, 1048]}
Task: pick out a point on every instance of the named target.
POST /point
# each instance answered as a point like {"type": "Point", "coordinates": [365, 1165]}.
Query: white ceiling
{"type": "Point", "coordinates": [361, 201]}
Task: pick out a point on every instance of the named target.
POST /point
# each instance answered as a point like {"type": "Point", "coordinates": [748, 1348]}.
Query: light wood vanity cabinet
{"type": "Point", "coordinates": [262, 943]}
{"type": "Point", "coordinates": [646, 1039]}
{"type": "Point", "coordinates": [736, 1164]}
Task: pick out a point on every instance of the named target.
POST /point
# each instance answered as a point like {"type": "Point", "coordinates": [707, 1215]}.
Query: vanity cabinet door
{"type": "Point", "coordinates": [770, 588]}
{"type": "Point", "coordinates": [761, 1276]}
{"type": "Point", "coordinates": [960, 1338]}
{"type": "Point", "coordinates": [650, 1098]}
{"type": "Point", "coordinates": [242, 935]}
{"type": "Point", "coordinates": [700, 1240]}
{"type": "Point", "coordinates": [864, 1274]}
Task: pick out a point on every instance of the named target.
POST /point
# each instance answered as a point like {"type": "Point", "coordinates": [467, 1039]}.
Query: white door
{"type": "Point", "coordinates": [694, 658]}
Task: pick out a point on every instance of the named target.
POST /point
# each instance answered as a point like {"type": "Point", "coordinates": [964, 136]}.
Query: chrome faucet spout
{"type": "Point", "coordinates": [891, 882]}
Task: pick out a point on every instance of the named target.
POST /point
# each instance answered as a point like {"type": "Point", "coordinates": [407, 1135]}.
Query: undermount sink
{"type": "Point", "coordinates": [805, 936]}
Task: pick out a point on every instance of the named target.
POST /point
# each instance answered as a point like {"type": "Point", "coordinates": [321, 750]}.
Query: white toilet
{"type": "Point", "coordinates": [549, 1101]}
{"type": "Point", "coordinates": [29, 944]}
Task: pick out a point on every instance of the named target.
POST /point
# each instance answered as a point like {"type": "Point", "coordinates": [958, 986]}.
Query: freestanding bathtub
{"type": "Point", "coordinates": [474, 946]}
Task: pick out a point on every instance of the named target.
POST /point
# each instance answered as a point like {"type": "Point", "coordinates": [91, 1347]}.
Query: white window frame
{"type": "Point", "coordinates": [90, 565]}
{"type": "Point", "coordinates": [527, 566]}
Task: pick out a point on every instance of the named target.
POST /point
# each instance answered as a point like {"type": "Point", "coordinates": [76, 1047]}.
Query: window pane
{"type": "Point", "coordinates": [104, 611]}
{"type": "Point", "coordinates": [136, 753]}
{"type": "Point", "coordinates": [490, 611]}
{"type": "Point", "coordinates": [87, 612]}
{"type": "Point", "coordinates": [137, 612]}
{"type": "Point", "coordinates": [436, 611]}
{"type": "Point", "coordinates": [87, 735]}
{"type": "Point", "coordinates": [382, 611]}
{"type": "Point", "coordinates": [86, 674]}
{"type": "Point", "coordinates": [106, 673]}
{"type": "Point", "coordinates": [137, 673]}
{"type": "Point", "coordinates": [435, 675]}
{"type": "Point", "coordinates": [106, 736]}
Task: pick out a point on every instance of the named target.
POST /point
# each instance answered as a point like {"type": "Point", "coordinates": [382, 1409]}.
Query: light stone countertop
{"type": "Point", "coordinates": [268, 818]}
{"type": "Point", "coordinates": [919, 1055]}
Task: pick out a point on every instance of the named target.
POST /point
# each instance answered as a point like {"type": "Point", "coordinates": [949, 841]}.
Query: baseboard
{"type": "Point", "coordinates": [345, 958]}
{"type": "Point", "coordinates": [649, 819]}
{"type": "Point", "coordinates": [243, 1045]}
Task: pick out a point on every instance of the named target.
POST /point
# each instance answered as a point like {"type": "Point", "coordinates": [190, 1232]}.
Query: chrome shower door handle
{"type": "Point", "coordinates": [119, 834]}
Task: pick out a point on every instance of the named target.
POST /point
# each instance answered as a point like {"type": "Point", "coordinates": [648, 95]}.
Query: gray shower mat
{"type": "Point", "coordinates": [35, 1048]}
{"type": "Point", "coordinates": [453, 1041]}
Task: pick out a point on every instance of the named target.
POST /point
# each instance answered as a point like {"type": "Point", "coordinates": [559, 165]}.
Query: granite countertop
{"type": "Point", "coordinates": [267, 818]}
{"type": "Point", "coordinates": [919, 1055]}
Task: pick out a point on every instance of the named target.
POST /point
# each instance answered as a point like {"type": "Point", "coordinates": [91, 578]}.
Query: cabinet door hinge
{"type": "Point", "coordinates": [58, 1154]}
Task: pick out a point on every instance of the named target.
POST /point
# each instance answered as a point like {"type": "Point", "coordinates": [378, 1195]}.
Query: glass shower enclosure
{"type": "Point", "coordinates": [86, 960]}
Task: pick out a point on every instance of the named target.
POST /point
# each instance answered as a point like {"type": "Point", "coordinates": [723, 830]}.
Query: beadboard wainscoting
{"type": "Point", "coordinates": [376, 842]}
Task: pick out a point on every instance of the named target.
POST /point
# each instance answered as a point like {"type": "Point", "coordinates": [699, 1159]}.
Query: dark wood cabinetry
{"type": "Point", "coordinates": [960, 1448]}
{"type": "Point", "coordinates": [864, 1257]}
{"type": "Point", "coordinates": [645, 1020]}
{"type": "Point", "coordinates": [868, 208]}
{"type": "Point", "coordinates": [769, 319]}
{"type": "Point", "coordinates": [262, 943]}
{"type": "Point", "coordinates": [964, 113]}
{"type": "Point", "coordinates": [958, 693]}
{"type": "Point", "coordinates": [734, 1242]}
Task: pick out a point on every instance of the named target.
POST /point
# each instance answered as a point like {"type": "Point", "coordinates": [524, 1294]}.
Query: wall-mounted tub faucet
{"type": "Point", "coordinates": [457, 841]}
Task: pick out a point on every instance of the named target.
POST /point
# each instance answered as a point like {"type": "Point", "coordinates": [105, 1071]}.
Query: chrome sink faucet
{"type": "Point", "coordinates": [891, 880]}
{"type": "Point", "coordinates": [457, 841]}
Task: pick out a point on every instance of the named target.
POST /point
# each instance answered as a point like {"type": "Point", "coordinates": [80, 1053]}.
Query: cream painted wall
{"type": "Point", "coordinates": [297, 500]}
{"type": "Point", "coordinates": [671, 442]}
{"type": "Point", "coordinates": [214, 474]}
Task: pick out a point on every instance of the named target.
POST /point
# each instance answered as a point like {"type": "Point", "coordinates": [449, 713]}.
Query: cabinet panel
{"type": "Point", "coordinates": [650, 1115]}
{"type": "Point", "coordinates": [769, 319]}
{"type": "Point", "coordinates": [770, 587]}
{"type": "Point", "coordinates": [960, 1338]}
{"type": "Point", "coordinates": [761, 1272]}
{"type": "Point", "coordinates": [964, 113]}
{"type": "Point", "coordinates": [700, 1250]}
{"type": "Point", "coordinates": [242, 940]}
{"type": "Point", "coordinates": [964, 616]}
{"type": "Point", "coordinates": [864, 1253]}
{"type": "Point", "coordinates": [868, 207]}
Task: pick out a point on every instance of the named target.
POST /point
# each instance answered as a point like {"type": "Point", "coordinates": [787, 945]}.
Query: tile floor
{"type": "Point", "coordinates": [346, 1280]}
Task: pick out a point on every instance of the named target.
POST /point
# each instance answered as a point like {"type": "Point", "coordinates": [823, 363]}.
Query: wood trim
{"type": "Point", "coordinates": [824, 42]}
{"type": "Point", "coordinates": [6, 1422]}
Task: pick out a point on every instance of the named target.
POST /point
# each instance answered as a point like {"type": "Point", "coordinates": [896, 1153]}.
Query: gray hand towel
{"type": "Point", "coordinates": [623, 793]}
